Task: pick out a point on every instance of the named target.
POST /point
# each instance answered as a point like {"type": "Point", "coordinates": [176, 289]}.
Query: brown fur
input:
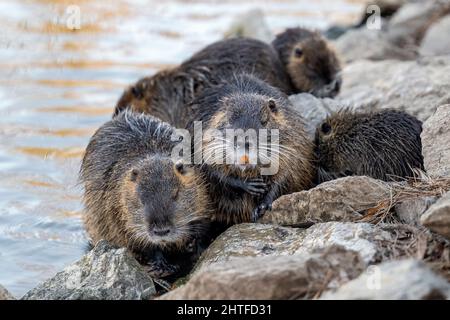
{"type": "Point", "coordinates": [384, 145]}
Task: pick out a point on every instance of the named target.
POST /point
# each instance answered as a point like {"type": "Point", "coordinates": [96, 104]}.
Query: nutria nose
{"type": "Point", "coordinates": [161, 231]}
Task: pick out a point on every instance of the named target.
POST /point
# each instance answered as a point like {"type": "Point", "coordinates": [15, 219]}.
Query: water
{"type": "Point", "coordinates": [57, 86]}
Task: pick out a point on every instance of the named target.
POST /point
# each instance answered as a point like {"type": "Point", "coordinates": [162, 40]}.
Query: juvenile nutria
{"type": "Point", "coordinates": [310, 63]}
{"type": "Point", "coordinates": [384, 145]}
{"type": "Point", "coordinates": [137, 197]}
{"type": "Point", "coordinates": [307, 65]}
{"type": "Point", "coordinates": [240, 190]}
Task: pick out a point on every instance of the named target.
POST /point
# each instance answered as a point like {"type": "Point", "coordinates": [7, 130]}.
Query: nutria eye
{"type": "Point", "coordinates": [326, 128]}
{"type": "Point", "coordinates": [272, 105]}
{"type": "Point", "coordinates": [134, 91]}
{"type": "Point", "coordinates": [298, 52]}
{"type": "Point", "coordinates": [134, 174]}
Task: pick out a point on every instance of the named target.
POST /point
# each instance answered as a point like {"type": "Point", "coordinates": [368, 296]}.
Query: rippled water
{"type": "Point", "coordinates": [57, 86]}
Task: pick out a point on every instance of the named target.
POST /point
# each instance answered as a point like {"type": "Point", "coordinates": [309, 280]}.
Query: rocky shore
{"type": "Point", "coordinates": [350, 238]}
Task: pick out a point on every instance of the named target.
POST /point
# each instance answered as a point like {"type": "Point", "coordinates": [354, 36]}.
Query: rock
{"type": "Point", "coordinates": [436, 142]}
{"type": "Point", "coordinates": [435, 41]}
{"type": "Point", "coordinates": [411, 210]}
{"type": "Point", "coordinates": [314, 110]}
{"type": "Point", "coordinates": [104, 273]}
{"type": "Point", "coordinates": [251, 240]}
{"type": "Point", "coordinates": [342, 199]}
{"type": "Point", "coordinates": [437, 217]}
{"type": "Point", "coordinates": [407, 279]}
{"type": "Point", "coordinates": [370, 44]}
{"type": "Point", "coordinates": [251, 24]}
{"type": "Point", "coordinates": [280, 277]}
{"type": "Point", "coordinates": [5, 295]}
{"type": "Point", "coordinates": [412, 20]}
{"type": "Point", "coordinates": [416, 87]}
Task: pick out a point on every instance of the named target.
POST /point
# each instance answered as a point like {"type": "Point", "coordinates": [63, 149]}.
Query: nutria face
{"type": "Point", "coordinates": [311, 64]}
{"type": "Point", "coordinates": [245, 115]}
{"type": "Point", "coordinates": [164, 201]}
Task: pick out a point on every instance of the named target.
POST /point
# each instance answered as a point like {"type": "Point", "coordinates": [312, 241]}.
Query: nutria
{"type": "Point", "coordinates": [240, 191]}
{"type": "Point", "coordinates": [384, 145]}
{"type": "Point", "coordinates": [166, 93]}
{"type": "Point", "coordinates": [137, 197]}
{"type": "Point", "coordinates": [310, 63]}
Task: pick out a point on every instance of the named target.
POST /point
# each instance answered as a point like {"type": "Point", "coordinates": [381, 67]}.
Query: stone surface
{"type": "Point", "coordinates": [370, 44]}
{"type": "Point", "coordinates": [314, 110]}
{"type": "Point", "coordinates": [410, 23]}
{"type": "Point", "coordinates": [250, 24]}
{"type": "Point", "coordinates": [280, 277]}
{"type": "Point", "coordinates": [411, 210]}
{"type": "Point", "coordinates": [342, 199]}
{"type": "Point", "coordinates": [436, 40]}
{"type": "Point", "coordinates": [436, 142]}
{"type": "Point", "coordinates": [104, 273]}
{"type": "Point", "coordinates": [250, 240]}
{"type": "Point", "coordinates": [416, 87]}
{"type": "Point", "coordinates": [437, 217]}
{"type": "Point", "coordinates": [4, 294]}
{"type": "Point", "coordinates": [394, 280]}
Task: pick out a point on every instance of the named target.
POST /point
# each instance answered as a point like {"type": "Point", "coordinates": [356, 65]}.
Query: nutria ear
{"type": "Point", "coordinates": [134, 174]}
{"type": "Point", "coordinates": [272, 105]}
{"type": "Point", "coordinates": [136, 92]}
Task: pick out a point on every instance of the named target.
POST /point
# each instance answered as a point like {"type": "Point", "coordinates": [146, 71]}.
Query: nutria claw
{"type": "Point", "coordinates": [260, 210]}
{"type": "Point", "coordinates": [255, 186]}
{"type": "Point", "coordinates": [160, 268]}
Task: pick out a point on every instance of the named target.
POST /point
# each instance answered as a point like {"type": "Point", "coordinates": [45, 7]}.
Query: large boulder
{"type": "Point", "coordinates": [416, 87]}
{"type": "Point", "coordinates": [279, 277]}
{"type": "Point", "coordinates": [105, 273]}
{"type": "Point", "coordinates": [437, 217]}
{"type": "Point", "coordinates": [407, 279]}
{"type": "Point", "coordinates": [436, 41]}
{"type": "Point", "coordinates": [4, 294]}
{"type": "Point", "coordinates": [436, 142]}
{"type": "Point", "coordinates": [343, 199]}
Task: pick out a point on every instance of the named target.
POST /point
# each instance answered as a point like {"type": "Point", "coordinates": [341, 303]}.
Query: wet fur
{"type": "Point", "coordinates": [385, 145]}
{"type": "Point", "coordinates": [296, 169]}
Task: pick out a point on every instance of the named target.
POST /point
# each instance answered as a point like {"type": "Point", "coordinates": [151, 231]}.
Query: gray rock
{"type": "Point", "coordinates": [251, 240]}
{"type": "Point", "coordinates": [104, 273]}
{"type": "Point", "coordinates": [394, 280]}
{"type": "Point", "coordinates": [370, 44]}
{"type": "Point", "coordinates": [412, 20]}
{"type": "Point", "coordinates": [436, 142]}
{"type": "Point", "coordinates": [314, 110]}
{"type": "Point", "coordinates": [251, 24]}
{"type": "Point", "coordinates": [411, 210]}
{"type": "Point", "coordinates": [416, 87]}
{"type": "Point", "coordinates": [436, 41]}
{"type": "Point", "coordinates": [342, 199]}
{"type": "Point", "coordinates": [437, 217]}
{"type": "Point", "coordinates": [280, 277]}
{"type": "Point", "coordinates": [4, 294]}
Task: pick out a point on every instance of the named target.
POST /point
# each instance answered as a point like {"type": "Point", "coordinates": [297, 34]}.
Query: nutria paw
{"type": "Point", "coordinates": [255, 186]}
{"type": "Point", "coordinates": [160, 268]}
{"type": "Point", "coordinates": [260, 210]}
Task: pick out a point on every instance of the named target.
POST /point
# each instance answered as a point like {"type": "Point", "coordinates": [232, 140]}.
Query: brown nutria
{"type": "Point", "coordinates": [384, 145]}
{"type": "Point", "coordinates": [137, 197]}
{"type": "Point", "coordinates": [166, 93]}
{"type": "Point", "coordinates": [310, 63]}
{"type": "Point", "coordinates": [239, 189]}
